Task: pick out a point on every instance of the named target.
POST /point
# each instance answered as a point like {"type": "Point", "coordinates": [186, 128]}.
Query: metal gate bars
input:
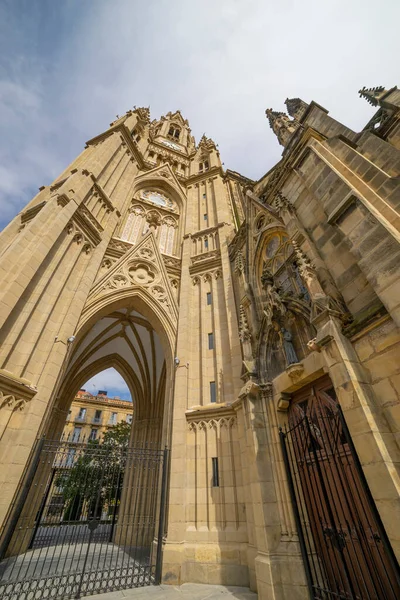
{"type": "Point", "coordinates": [345, 549]}
{"type": "Point", "coordinates": [89, 520]}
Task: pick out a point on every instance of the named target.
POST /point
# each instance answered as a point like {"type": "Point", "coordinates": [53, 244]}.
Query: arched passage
{"type": "Point", "coordinates": [130, 333]}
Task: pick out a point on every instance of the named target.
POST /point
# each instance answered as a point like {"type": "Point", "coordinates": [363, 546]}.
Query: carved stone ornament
{"type": "Point", "coordinates": [283, 402]}
{"type": "Point", "coordinates": [282, 205]}
{"type": "Point", "coordinates": [251, 388]}
{"type": "Point", "coordinates": [15, 393]}
{"type": "Point", "coordinates": [216, 423]}
{"type": "Point", "coordinates": [142, 266]}
{"type": "Point", "coordinates": [273, 305]}
{"type": "Point", "coordinates": [295, 371]}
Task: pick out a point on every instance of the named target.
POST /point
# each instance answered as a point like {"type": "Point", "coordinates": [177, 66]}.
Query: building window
{"type": "Point", "coordinates": [206, 165]}
{"type": "Point", "coordinates": [129, 419]}
{"type": "Point", "coordinates": [97, 416]}
{"type": "Point", "coordinates": [215, 472]}
{"type": "Point", "coordinates": [204, 196]}
{"type": "Point", "coordinates": [209, 298]}
{"type": "Point", "coordinates": [93, 434]}
{"type": "Point", "coordinates": [113, 418]}
{"type": "Point", "coordinates": [76, 434]}
{"type": "Point", "coordinates": [174, 132]}
{"type": "Point", "coordinates": [81, 415]}
{"type": "Point", "coordinates": [206, 244]}
{"type": "Point", "coordinates": [205, 216]}
{"type": "Point", "coordinates": [211, 341]}
{"type": "Point", "coordinates": [200, 167]}
{"type": "Point", "coordinates": [213, 392]}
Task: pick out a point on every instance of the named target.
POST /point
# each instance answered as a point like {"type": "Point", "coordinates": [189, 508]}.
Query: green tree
{"type": "Point", "coordinates": [94, 479]}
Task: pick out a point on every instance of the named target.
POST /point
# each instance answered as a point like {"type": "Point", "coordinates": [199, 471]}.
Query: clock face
{"type": "Point", "coordinates": [157, 198]}
{"type": "Point", "coordinates": [171, 145]}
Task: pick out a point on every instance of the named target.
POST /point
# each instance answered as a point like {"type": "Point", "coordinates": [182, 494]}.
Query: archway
{"type": "Point", "coordinates": [113, 494]}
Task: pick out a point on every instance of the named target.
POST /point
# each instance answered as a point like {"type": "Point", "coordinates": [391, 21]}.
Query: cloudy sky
{"type": "Point", "coordinates": [110, 381]}
{"type": "Point", "coordinates": [67, 67]}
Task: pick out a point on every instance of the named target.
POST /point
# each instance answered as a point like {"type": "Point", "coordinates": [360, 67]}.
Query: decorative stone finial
{"type": "Point", "coordinates": [372, 95]}
{"type": "Point", "coordinates": [143, 113]}
{"type": "Point", "coordinates": [296, 107]}
{"type": "Point", "coordinates": [281, 125]}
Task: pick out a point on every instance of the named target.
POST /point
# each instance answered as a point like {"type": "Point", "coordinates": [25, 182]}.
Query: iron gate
{"type": "Point", "coordinates": [345, 549]}
{"type": "Point", "coordinates": [89, 520]}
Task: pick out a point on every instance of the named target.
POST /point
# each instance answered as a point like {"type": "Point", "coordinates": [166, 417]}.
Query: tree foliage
{"type": "Point", "coordinates": [94, 474]}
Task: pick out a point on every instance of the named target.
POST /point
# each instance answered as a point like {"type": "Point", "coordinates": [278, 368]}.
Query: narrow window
{"type": "Point", "coordinates": [204, 196]}
{"type": "Point", "coordinates": [76, 434]}
{"type": "Point", "coordinates": [206, 244]}
{"type": "Point", "coordinates": [206, 166]}
{"type": "Point", "coordinates": [113, 418]}
{"type": "Point", "coordinates": [213, 392]}
{"type": "Point", "coordinates": [209, 298]}
{"type": "Point", "coordinates": [200, 167]}
{"type": "Point", "coordinates": [171, 131]}
{"type": "Point", "coordinates": [129, 419]}
{"type": "Point", "coordinates": [176, 134]}
{"type": "Point", "coordinates": [97, 416]}
{"type": "Point", "coordinates": [215, 472]}
{"type": "Point", "coordinates": [205, 216]}
{"type": "Point", "coordinates": [93, 434]}
{"type": "Point", "coordinates": [82, 414]}
{"type": "Point", "coordinates": [211, 341]}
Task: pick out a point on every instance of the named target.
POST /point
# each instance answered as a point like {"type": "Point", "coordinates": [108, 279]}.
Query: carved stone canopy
{"type": "Point", "coordinates": [281, 125]}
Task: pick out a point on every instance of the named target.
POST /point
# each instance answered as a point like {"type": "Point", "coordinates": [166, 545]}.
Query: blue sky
{"type": "Point", "coordinates": [67, 67]}
{"type": "Point", "coordinates": [110, 381]}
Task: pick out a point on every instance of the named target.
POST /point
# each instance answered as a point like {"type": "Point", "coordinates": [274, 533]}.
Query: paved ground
{"type": "Point", "coordinates": [187, 591]}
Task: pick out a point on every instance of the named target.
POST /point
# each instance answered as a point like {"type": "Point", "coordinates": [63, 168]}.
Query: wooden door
{"type": "Point", "coordinates": [350, 558]}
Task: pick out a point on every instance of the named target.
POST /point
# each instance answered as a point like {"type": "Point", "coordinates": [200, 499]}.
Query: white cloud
{"type": "Point", "coordinates": [109, 380]}
{"type": "Point", "coordinates": [67, 74]}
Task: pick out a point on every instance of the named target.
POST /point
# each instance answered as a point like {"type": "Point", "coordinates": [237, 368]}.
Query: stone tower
{"type": "Point", "coordinates": [256, 324]}
{"type": "Point", "coordinates": [131, 240]}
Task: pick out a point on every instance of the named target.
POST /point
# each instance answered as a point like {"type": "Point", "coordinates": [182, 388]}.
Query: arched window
{"type": "Point", "coordinates": [174, 132]}
{"type": "Point", "coordinates": [133, 224]}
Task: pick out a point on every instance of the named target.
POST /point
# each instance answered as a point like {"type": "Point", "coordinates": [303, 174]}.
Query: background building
{"type": "Point", "coordinates": [257, 327]}
{"type": "Point", "coordinates": [90, 415]}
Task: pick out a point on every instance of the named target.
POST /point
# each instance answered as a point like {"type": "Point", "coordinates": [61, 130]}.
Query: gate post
{"type": "Point", "coordinates": [15, 515]}
{"type": "Point", "coordinates": [296, 513]}
{"type": "Point", "coordinates": [157, 577]}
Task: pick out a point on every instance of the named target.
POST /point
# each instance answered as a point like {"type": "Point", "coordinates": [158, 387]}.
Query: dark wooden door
{"type": "Point", "coordinates": [350, 559]}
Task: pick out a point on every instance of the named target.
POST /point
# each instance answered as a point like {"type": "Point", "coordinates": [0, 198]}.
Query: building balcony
{"type": "Point", "coordinates": [79, 419]}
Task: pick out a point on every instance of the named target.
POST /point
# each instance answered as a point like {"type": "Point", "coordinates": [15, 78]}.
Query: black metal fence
{"type": "Point", "coordinates": [346, 552]}
{"type": "Point", "coordinates": [89, 519]}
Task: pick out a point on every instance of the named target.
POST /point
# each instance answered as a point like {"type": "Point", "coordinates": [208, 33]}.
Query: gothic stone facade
{"type": "Point", "coordinates": [218, 299]}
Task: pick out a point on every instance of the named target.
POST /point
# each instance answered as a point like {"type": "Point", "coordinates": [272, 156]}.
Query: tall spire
{"type": "Point", "coordinates": [296, 107]}
{"type": "Point", "coordinates": [281, 125]}
{"type": "Point", "coordinates": [372, 95]}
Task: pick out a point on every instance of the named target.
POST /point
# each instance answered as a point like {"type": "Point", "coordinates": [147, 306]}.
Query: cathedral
{"type": "Point", "coordinates": [257, 326]}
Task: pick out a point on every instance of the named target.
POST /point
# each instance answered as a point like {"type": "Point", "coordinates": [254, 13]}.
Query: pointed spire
{"type": "Point", "coordinates": [281, 125]}
{"type": "Point", "coordinates": [372, 95]}
{"type": "Point", "coordinates": [143, 113]}
{"type": "Point", "coordinates": [206, 143]}
{"type": "Point", "coordinates": [296, 107]}
{"type": "Point", "coordinates": [273, 115]}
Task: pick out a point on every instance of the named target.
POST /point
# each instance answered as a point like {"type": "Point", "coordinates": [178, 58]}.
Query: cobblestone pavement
{"type": "Point", "coordinates": [187, 591]}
